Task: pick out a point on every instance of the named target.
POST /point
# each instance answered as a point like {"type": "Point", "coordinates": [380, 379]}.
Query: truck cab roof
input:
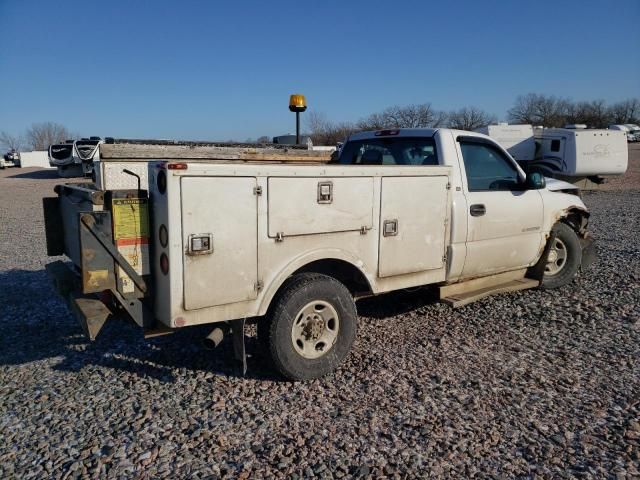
{"type": "Point", "coordinates": [413, 132]}
{"type": "Point", "coordinates": [400, 132]}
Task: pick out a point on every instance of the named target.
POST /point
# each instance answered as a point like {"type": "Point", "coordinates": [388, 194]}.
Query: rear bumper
{"type": "Point", "coordinates": [589, 254]}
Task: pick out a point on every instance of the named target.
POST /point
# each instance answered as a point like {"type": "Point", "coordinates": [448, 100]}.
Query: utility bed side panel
{"type": "Point", "coordinates": [305, 206]}
{"type": "Point", "coordinates": [226, 209]}
{"type": "Point", "coordinates": [413, 221]}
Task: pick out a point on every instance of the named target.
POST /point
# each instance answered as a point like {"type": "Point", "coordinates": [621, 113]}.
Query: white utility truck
{"type": "Point", "coordinates": [177, 235]}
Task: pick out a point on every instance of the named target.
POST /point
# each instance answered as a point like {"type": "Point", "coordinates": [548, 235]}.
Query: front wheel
{"type": "Point", "coordinates": [564, 258]}
{"type": "Point", "coordinates": [311, 326]}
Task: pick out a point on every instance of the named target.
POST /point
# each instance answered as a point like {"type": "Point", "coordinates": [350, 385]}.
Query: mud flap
{"type": "Point", "coordinates": [589, 254]}
{"type": "Point", "coordinates": [54, 234]}
{"type": "Point", "coordinates": [237, 329]}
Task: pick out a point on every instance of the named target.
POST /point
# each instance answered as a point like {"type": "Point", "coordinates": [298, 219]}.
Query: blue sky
{"type": "Point", "coordinates": [224, 70]}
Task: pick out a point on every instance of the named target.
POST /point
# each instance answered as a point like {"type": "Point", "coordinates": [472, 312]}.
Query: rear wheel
{"type": "Point", "coordinates": [564, 258]}
{"type": "Point", "coordinates": [311, 326]}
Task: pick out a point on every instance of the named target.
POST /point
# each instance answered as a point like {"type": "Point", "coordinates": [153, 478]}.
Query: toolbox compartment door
{"type": "Point", "coordinates": [413, 222]}
{"type": "Point", "coordinates": [223, 209]}
{"type": "Point", "coordinates": [313, 205]}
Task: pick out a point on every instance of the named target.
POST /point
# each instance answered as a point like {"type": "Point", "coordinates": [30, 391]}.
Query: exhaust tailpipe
{"type": "Point", "coordinates": [214, 339]}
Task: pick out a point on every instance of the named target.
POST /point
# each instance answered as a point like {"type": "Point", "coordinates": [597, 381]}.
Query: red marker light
{"type": "Point", "coordinates": [164, 263]}
{"type": "Point", "coordinates": [177, 166]}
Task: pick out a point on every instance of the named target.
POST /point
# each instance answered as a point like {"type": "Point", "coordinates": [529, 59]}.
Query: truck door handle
{"type": "Point", "coordinates": [477, 210]}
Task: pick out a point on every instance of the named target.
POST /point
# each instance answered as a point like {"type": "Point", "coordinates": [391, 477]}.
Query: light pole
{"type": "Point", "coordinates": [297, 103]}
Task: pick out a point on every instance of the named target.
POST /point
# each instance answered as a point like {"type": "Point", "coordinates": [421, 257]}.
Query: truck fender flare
{"type": "Point", "coordinates": [299, 262]}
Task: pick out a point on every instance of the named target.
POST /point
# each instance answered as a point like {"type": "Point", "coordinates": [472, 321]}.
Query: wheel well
{"type": "Point", "coordinates": [577, 219]}
{"type": "Point", "coordinates": [346, 273]}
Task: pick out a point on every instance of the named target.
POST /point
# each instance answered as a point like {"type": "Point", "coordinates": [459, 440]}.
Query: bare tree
{"type": "Point", "coordinates": [524, 110]}
{"type": "Point", "coordinates": [627, 111]}
{"type": "Point", "coordinates": [12, 142]}
{"type": "Point", "coordinates": [470, 118]}
{"type": "Point", "coordinates": [409, 116]}
{"type": "Point", "coordinates": [264, 139]}
{"type": "Point", "coordinates": [325, 132]}
{"type": "Point", "coordinates": [536, 109]}
{"type": "Point", "coordinates": [593, 114]}
{"type": "Point", "coordinates": [41, 135]}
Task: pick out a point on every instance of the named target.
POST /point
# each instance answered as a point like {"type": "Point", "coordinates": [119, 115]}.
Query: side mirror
{"type": "Point", "coordinates": [535, 181]}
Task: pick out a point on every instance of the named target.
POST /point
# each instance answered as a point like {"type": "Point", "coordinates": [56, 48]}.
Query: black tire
{"type": "Point", "coordinates": [563, 274]}
{"type": "Point", "coordinates": [277, 328]}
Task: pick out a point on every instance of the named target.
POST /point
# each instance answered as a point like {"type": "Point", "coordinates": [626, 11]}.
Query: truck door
{"type": "Point", "coordinates": [504, 221]}
{"type": "Point", "coordinates": [413, 219]}
{"type": "Point", "coordinates": [219, 234]}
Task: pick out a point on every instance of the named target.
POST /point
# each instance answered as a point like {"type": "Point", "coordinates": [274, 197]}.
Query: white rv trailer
{"type": "Point", "coordinates": [74, 158]}
{"type": "Point", "coordinates": [583, 152]}
{"type": "Point", "coordinates": [573, 153]}
{"type": "Point", "coordinates": [518, 140]}
{"type": "Point", "coordinates": [631, 137]}
{"type": "Point", "coordinates": [85, 151]}
{"type": "Point", "coordinates": [634, 130]}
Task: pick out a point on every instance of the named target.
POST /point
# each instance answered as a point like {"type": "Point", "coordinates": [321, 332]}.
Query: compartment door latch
{"type": "Point", "coordinates": [200, 244]}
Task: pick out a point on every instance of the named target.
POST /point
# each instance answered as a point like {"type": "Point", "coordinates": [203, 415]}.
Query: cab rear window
{"type": "Point", "coordinates": [408, 151]}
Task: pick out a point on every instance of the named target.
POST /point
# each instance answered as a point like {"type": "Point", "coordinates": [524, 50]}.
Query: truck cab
{"type": "Point", "coordinates": [500, 220]}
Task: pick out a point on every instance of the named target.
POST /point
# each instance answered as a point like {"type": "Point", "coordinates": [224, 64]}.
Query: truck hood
{"type": "Point", "coordinates": [555, 185]}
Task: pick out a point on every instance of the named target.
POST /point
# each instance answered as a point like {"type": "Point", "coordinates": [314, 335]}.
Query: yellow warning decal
{"type": "Point", "coordinates": [130, 218]}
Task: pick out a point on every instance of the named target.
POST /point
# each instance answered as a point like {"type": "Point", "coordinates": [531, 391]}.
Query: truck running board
{"type": "Point", "coordinates": [463, 293]}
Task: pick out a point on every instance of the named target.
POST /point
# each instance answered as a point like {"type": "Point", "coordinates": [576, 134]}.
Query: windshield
{"type": "Point", "coordinates": [390, 151]}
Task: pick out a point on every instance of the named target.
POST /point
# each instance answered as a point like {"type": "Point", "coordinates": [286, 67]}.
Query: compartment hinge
{"type": "Point", "coordinates": [448, 185]}
{"type": "Point", "coordinates": [279, 236]}
{"type": "Point", "coordinates": [257, 190]}
{"type": "Point", "coordinates": [259, 285]}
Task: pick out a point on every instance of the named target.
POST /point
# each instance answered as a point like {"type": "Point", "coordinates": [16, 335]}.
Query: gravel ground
{"type": "Point", "coordinates": [526, 385]}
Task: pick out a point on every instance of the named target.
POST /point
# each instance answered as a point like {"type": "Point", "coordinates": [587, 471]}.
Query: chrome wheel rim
{"type": "Point", "coordinates": [557, 258]}
{"type": "Point", "coordinates": [315, 329]}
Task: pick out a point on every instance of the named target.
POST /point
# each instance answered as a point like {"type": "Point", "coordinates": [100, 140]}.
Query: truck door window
{"type": "Point", "coordinates": [555, 145]}
{"type": "Point", "coordinates": [409, 151]}
{"type": "Point", "coordinates": [487, 168]}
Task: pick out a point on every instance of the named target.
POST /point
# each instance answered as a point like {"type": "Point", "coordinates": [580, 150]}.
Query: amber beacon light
{"type": "Point", "coordinates": [297, 103]}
